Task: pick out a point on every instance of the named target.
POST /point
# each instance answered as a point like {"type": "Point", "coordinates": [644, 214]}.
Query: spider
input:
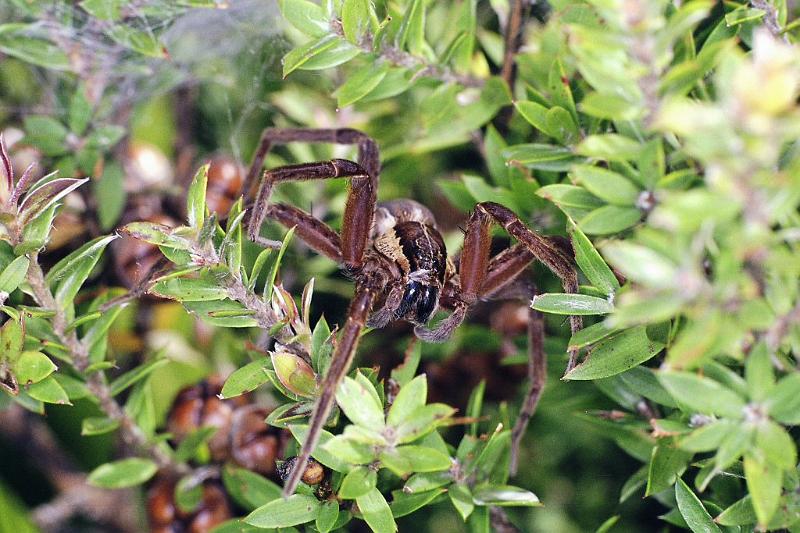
{"type": "Point", "coordinates": [397, 259]}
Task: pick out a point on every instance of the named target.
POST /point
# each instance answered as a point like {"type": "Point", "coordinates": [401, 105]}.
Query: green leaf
{"type": "Point", "coordinates": [358, 482]}
{"type": "Point", "coordinates": [667, 463]}
{"type": "Point", "coordinates": [25, 42]}
{"type": "Point", "coordinates": [48, 390]}
{"type": "Point", "coordinates": [641, 264]}
{"type": "Point", "coordinates": [560, 91]}
{"type": "Point", "coordinates": [764, 483]}
{"type": "Point", "coordinates": [246, 379]}
{"type": "Point", "coordinates": [609, 146]}
{"type": "Point", "coordinates": [541, 156]}
{"type": "Point", "coordinates": [571, 304]}
{"type": "Point", "coordinates": [12, 341]}
{"type": "Point", "coordinates": [411, 35]}
{"type": "Point", "coordinates": [404, 504]}
{"type": "Point", "coordinates": [357, 18]}
{"type": "Point", "coordinates": [395, 82]}
{"type": "Point", "coordinates": [739, 513]}
{"type": "Point", "coordinates": [248, 489]}
{"type": "Point", "coordinates": [417, 459]}
{"type": "Point", "coordinates": [692, 510]}
{"type": "Point", "coordinates": [43, 196]}
{"type": "Point", "coordinates": [105, 137]}
{"type": "Point", "coordinates": [590, 262]}
{"type": "Point", "coordinates": [185, 289]}
{"type": "Point", "coordinates": [609, 219]}
{"type": "Point", "coordinates": [136, 375]}
{"type": "Point", "coordinates": [327, 516]}
{"type": "Point", "coordinates": [358, 401]}
{"type": "Point", "coordinates": [404, 372]}
{"type": "Point", "coordinates": [33, 367]}
{"type": "Point", "coordinates": [191, 444]}
{"type": "Point", "coordinates": [123, 473]}
{"type": "Point", "coordinates": [461, 498]}
{"type": "Point", "coordinates": [141, 41]}
{"type": "Point", "coordinates": [609, 106]}
{"type": "Point", "coordinates": [348, 451]}
{"type": "Point", "coordinates": [325, 52]}
{"type": "Point", "coordinates": [110, 193]}
{"type": "Point", "coordinates": [422, 420]}
{"type": "Point", "coordinates": [610, 186]}
{"type": "Point", "coordinates": [504, 496]}
{"type": "Point", "coordinates": [475, 405]}
{"type": "Point", "coordinates": [706, 438]}
{"type": "Point", "coordinates": [14, 274]}
{"type": "Point", "coordinates": [306, 16]}
{"type": "Point", "coordinates": [783, 401]}
{"type": "Point", "coordinates": [69, 274]}
{"type": "Point", "coordinates": [157, 234]}
{"type": "Point", "coordinates": [196, 199]}
{"type": "Point", "coordinates": [612, 356]}
{"type": "Point", "coordinates": [776, 445]}
{"type": "Point", "coordinates": [376, 512]}
{"type": "Point", "coordinates": [46, 133]}
{"type": "Point", "coordinates": [590, 335]}
{"type": "Point", "coordinates": [98, 425]}
{"type": "Point", "coordinates": [702, 395]}
{"type": "Point", "coordinates": [411, 396]}
{"type": "Point", "coordinates": [320, 453]}
{"type": "Point", "coordinates": [294, 510]}
{"type": "Point", "coordinates": [569, 196]}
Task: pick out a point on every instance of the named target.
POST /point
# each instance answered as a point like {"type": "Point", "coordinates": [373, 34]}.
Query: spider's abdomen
{"type": "Point", "coordinates": [424, 251]}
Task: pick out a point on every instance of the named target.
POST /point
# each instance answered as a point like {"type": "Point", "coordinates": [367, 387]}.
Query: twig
{"type": "Point", "coordinates": [131, 433]}
{"type": "Point", "coordinates": [401, 58]}
{"type": "Point", "coordinates": [33, 438]}
{"type": "Point", "coordinates": [500, 522]}
{"type": "Point", "coordinates": [780, 328]}
{"type": "Point", "coordinates": [513, 41]}
{"type": "Point", "coordinates": [770, 19]}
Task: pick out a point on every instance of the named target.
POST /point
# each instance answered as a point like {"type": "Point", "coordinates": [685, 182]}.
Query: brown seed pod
{"type": "Point", "coordinates": [166, 517]}
{"type": "Point", "coordinates": [225, 178]}
{"type": "Point", "coordinates": [255, 445]}
{"type": "Point", "coordinates": [313, 474]}
{"type": "Point", "coordinates": [198, 406]}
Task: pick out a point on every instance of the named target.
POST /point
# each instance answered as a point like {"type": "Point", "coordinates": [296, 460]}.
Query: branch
{"type": "Point", "coordinates": [131, 433]}
{"type": "Point", "coordinates": [770, 19]}
{"type": "Point", "coordinates": [401, 58]}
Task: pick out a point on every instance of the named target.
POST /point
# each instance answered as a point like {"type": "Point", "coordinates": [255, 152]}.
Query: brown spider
{"type": "Point", "coordinates": [397, 258]}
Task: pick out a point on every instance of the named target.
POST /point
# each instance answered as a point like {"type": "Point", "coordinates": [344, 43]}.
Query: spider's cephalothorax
{"type": "Point", "coordinates": [397, 258]}
{"type": "Point", "coordinates": [405, 232]}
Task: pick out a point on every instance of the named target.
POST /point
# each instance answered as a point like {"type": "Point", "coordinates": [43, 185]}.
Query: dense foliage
{"type": "Point", "coordinates": [658, 138]}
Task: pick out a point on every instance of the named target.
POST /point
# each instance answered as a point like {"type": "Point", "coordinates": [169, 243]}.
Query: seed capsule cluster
{"type": "Point", "coordinates": [242, 438]}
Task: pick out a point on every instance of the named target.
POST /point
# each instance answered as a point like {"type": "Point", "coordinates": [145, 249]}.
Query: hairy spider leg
{"type": "Point", "coordinates": [357, 315]}
{"type": "Point", "coordinates": [479, 277]}
{"type": "Point", "coordinates": [358, 212]}
{"type": "Point", "coordinates": [368, 154]}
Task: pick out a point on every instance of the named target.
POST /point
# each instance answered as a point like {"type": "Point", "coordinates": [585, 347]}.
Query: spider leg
{"type": "Point", "coordinates": [385, 314]}
{"type": "Point", "coordinates": [368, 155]}
{"type": "Point", "coordinates": [475, 257]}
{"type": "Point", "coordinates": [342, 359]}
{"type": "Point", "coordinates": [314, 232]}
{"type": "Point", "coordinates": [358, 213]}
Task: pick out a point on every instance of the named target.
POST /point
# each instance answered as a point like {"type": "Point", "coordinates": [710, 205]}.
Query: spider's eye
{"type": "Point", "coordinates": [426, 303]}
